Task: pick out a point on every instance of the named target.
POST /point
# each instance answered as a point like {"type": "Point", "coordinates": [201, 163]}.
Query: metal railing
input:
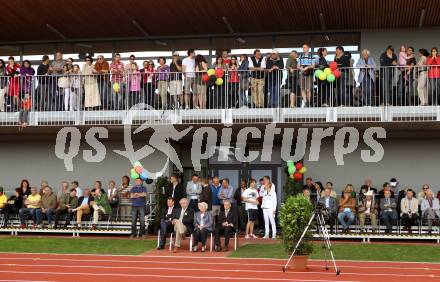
{"type": "Point", "coordinates": [374, 94]}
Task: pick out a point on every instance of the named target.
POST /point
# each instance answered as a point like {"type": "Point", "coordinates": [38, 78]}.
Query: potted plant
{"type": "Point", "coordinates": [295, 214]}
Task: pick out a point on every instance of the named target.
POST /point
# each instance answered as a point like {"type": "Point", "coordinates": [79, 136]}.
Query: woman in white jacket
{"type": "Point", "coordinates": [269, 206]}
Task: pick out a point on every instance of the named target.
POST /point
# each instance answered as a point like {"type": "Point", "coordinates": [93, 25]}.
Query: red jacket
{"type": "Point", "coordinates": [434, 67]}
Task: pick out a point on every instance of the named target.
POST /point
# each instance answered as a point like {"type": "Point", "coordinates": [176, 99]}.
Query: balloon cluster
{"type": "Point", "coordinates": [138, 171]}
{"type": "Point", "coordinates": [296, 171]}
{"type": "Point", "coordinates": [330, 74]}
{"type": "Point", "coordinates": [214, 76]}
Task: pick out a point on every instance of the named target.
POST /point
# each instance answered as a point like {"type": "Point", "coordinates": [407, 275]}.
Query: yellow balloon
{"type": "Point", "coordinates": [303, 170]}
{"type": "Point", "coordinates": [219, 81]}
{"type": "Point", "coordinates": [211, 72]}
{"type": "Point", "coordinates": [116, 87]}
{"type": "Point", "coordinates": [323, 76]}
{"type": "Point", "coordinates": [327, 71]}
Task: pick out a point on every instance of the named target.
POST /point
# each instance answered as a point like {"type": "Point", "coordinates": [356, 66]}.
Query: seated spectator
{"type": "Point", "coordinates": [388, 212]}
{"type": "Point", "coordinates": [350, 189]}
{"type": "Point", "coordinates": [83, 206]}
{"type": "Point", "coordinates": [422, 194]}
{"type": "Point", "coordinates": [15, 203]}
{"type": "Point", "coordinates": [183, 223]}
{"type": "Point", "coordinates": [166, 223]}
{"type": "Point", "coordinates": [48, 205]}
{"type": "Point", "coordinates": [319, 188]}
{"type": "Point", "coordinates": [368, 209]}
{"type": "Point", "coordinates": [3, 205]}
{"type": "Point", "coordinates": [347, 209]}
{"type": "Point", "coordinates": [64, 189]}
{"type": "Point", "coordinates": [100, 206]}
{"type": "Point", "coordinates": [430, 209]}
{"type": "Point", "coordinates": [329, 185]}
{"type": "Point", "coordinates": [311, 186]}
{"type": "Point", "coordinates": [79, 191]}
{"type": "Point", "coordinates": [202, 226]}
{"type": "Point", "coordinates": [32, 207]}
{"type": "Point", "coordinates": [409, 210]}
{"type": "Point", "coordinates": [366, 188]}
{"type": "Point", "coordinates": [329, 207]}
{"type": "Point", "coordinates": [250, 197]}
{"type": "Point", "coordinates": [386, 187]}
{"type": "Point", "coordinates": [112, 195]}
{"type": "Point", "coordinates": [138, 195]}
{"type": "Point", "coordinates": [228, 223]}
{"type": "Point", "coordinates": [307, 194]}
{"type": "Point", "coordinates": [68, 203]}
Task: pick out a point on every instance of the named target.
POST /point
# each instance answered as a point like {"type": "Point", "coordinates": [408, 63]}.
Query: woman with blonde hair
{"type": "Point", "coordinates": [269, 206]}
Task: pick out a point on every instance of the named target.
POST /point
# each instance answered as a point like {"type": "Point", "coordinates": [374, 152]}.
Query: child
{"type": "Point", "coordinates": [402, 56]}
{"type": "Point", "coordinates": [250, 197]}
{"type": "Point", "coordinates": [64, 84]}
{"type": "Point", "coordinates": [26, 105]}
{"type": "Point", "coordinates": [75, 84]}
{"type": "Point", "coordinates": [134, 77]}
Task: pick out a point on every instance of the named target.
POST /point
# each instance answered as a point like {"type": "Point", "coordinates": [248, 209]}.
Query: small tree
{"type": "Point", "coordinates": [291, 188]}
{"type": "Point", "coordinates": [161, 200]}
{"type": "Point", "coordinates": [295, 214]}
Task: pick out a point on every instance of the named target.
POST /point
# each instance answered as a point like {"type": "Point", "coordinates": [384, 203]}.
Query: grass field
{"type": "Point", "coordinates": [75, 245]}
{"type": "Point", "coordinates": [350, 251]}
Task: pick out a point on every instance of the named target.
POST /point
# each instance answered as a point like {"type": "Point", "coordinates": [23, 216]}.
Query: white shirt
{"type": "Point", "coordinates": [263, 63]}
{"type": "Point", "coordinates": [79, 192]}
{"type": "Point", "coordinates": [269, 199]}
{"type": "Point", "coordinates": [190, 65]}
{"type": "Point", "coordinates": [252, 194]}
{"type": "Point", "coordinates": [327, 202]}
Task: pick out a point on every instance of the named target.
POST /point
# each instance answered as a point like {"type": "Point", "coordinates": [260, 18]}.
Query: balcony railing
{"type": "Point", "coordinates": [359, 95]}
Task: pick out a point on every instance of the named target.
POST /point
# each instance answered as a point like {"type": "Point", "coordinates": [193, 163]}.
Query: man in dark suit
{"type": "Point", "coordinates": [166, 225]}
{"type": "Point", "coordinates": [183, 222]}
{"type": "Point", "coordinates": [228, 222]}
{"type": "Point", "coordinates": [388, 212]}
{"type": "Point", "coordinates": [175, 190]}
{"type": "Point", "coordinates": [329, 208]}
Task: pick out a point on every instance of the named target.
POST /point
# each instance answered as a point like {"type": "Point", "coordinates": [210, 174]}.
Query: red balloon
{"type": "Point", "coordinates": [297, 176]}
{"type": "Point", "coordinates": [219, 73]}
{"type": "Point", "coordinates": [337, 73]}
{"type": "Point", "coordinates": [298, 166]}
{"type": "Point", "coordinates": [333, 66]}
{"type": "Point", "coordinates": [205, 77]}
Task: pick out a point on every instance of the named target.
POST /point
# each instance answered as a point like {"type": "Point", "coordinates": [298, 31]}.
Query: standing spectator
{"type": "Point", "coordinates": [274, 66]}
{"type": "Point", "coordinates": [257, 66]}
{"type": "Point", "coordinates": [292, 77]}
{"type": "Point", "coordinates": [163, 75]}
{"type": "Point", "coordinates": [243, 72]}
{"type": "Point", "coordinates": [193, 191]}
{"type": "Point", "coordinates": [388, 62]}
{"type": "Point", "coordinates": [367, 77]}
{"type": "Point", "coordinates": [3, 207]}
{"type": "Point", "coordinates": [32, 206]}
{"type": "Point", "coordinates": [226, 193]}
{"type": "Point", "coordinates": [241, 205]}
{"type": "Point", "coordinates": [3, 84]}
{"type": "Point", "coordinates": [75, 88]}
{"type": "Point", "coordinates": [225, 57]}
{"type": "Point", "coordinates": [422, 77]}
{"type": "Point", "coordinates": [306, 65]}
{"type": "Point", "coordinates": [48, 205]}
{"type": "Point", "coordinates": [64, 87]}
{"type": "Point", "coordinates": [215, 190]}
{"type": "Point", "coordinates": [26, 72]}
{"type": "Point", "coordinates": [83, 207]}
{"type": "Point", "coordinates": [203, 224]}
{"type": "Point", "coordinates": [368, 209]}
{"type": "Point", "coordinates": [188, 69]}
{"type": "Point", "coordinates": [148, 82]}
{"type": "Point", "coordinates": [206, 192]}
{"type": "Point", "coordinates": [26, 106]}
{"type": "Point", "coordinates": [329, 207]}
{"type": "Point", "coordinates": [68, 203]}
{"type": "Point", "coordinates": [79, 191]}
{"type": "Point", "coordinates": [91, 91]}
{"type": "Point", "coordinates": [138, 195]}
{"type": "Point", "coordinates": [219, 99]}
{"type": "Point", "coordinates": [117, 78]}
{"type": "Point", "coordinates": [13, 71]}
{"type": "Point", "coordinates": [58, 70]}
{"type": "Point", "coordinates": [25, 188]}
{"type": "Point", "coordinates": [347, 209]}
{"type": "Point", "coordinates": [176, 81]}
{"type": "Point", "coordinates": [200, 90]}
{"type": "Point", "coordinates": [134, 84]}
{"type": "Point", "coordinates": [408, 79]}
{"type": "Point", "coordinates": [175, 190]}
{"type": "Point", "coordinates": [403, 56]}
{"type": "Point", "coordinates": [329, 185]}
{"type": "Point", "coordinates": [409, 210]}
{"type": "Point", "coordinates": [100, 206]}
{"type": "Point", "coordinates": [343, 94]}
{"type": "Point", "coordinates": [43, 96]}
{"type": "Point", "coordinates": [430, 209]}
{"type": "Point", "coordinates": [325, 97]}
{"type": "Point", "coordinates": [124, 198]}
{"type": "Point", "coordinates": [388, 212]}
{"type": "Point", "coordinates": [433, 63]}
{"type": "Point", "coordinates": [183, 222]}
{"type": "Point", "coordinates": [234, 83]}
{"type": "Point", "coordinates": [250, 197]}
{"type": "Point", "coordinates": [269, 206]}
{"type": "Point", "coordinates": [386, 187]}
{"type": "Point", "coordinates": [103, 75]}
{"type": "Point", "coordinates": [127, 67]}
{"type": "Point", "coordinates": [166, 222]}
{"type": "Point", "coordinates": [227, 224]}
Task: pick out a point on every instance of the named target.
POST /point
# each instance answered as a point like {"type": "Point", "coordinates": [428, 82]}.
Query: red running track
{"type": "Point", "coordinates": [63, 268]}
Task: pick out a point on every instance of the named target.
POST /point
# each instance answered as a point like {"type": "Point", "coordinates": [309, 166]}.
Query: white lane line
{"type": "Point", "coordinates": [217, 270]}
{"type": "Point", "coordinates": [171, 276]}
{"type": "Point", "coordinates": [381, 267]}
{"type": "Point", "coordinates": [12, 280]}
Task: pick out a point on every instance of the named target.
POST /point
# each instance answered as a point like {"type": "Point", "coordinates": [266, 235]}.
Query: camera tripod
{"type": "Point", "coordinates": [324, 235]}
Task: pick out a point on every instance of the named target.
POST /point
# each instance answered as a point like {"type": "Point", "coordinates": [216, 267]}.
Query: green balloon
{"type": "Point", "coordinates": [331, 77]}
{"type": "Point", "coordinates": [134, 174]}
{"type": "Point", "coordinates": [290, 163]}
{"type": "Point", "coordinates": [291, 169]}
{"type": "Point", "coordinates": [318, 73]}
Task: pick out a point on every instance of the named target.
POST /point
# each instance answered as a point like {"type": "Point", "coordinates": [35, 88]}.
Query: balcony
{"type": "Point", "coordinates": [392, 94]}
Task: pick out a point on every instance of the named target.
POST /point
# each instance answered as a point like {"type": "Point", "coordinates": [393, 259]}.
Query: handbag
{"type": "Point", "coordinates": [63, 82]}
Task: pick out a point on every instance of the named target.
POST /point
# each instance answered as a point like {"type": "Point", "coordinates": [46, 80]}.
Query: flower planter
{"type": "Point", "coordinates": [299, 263]}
